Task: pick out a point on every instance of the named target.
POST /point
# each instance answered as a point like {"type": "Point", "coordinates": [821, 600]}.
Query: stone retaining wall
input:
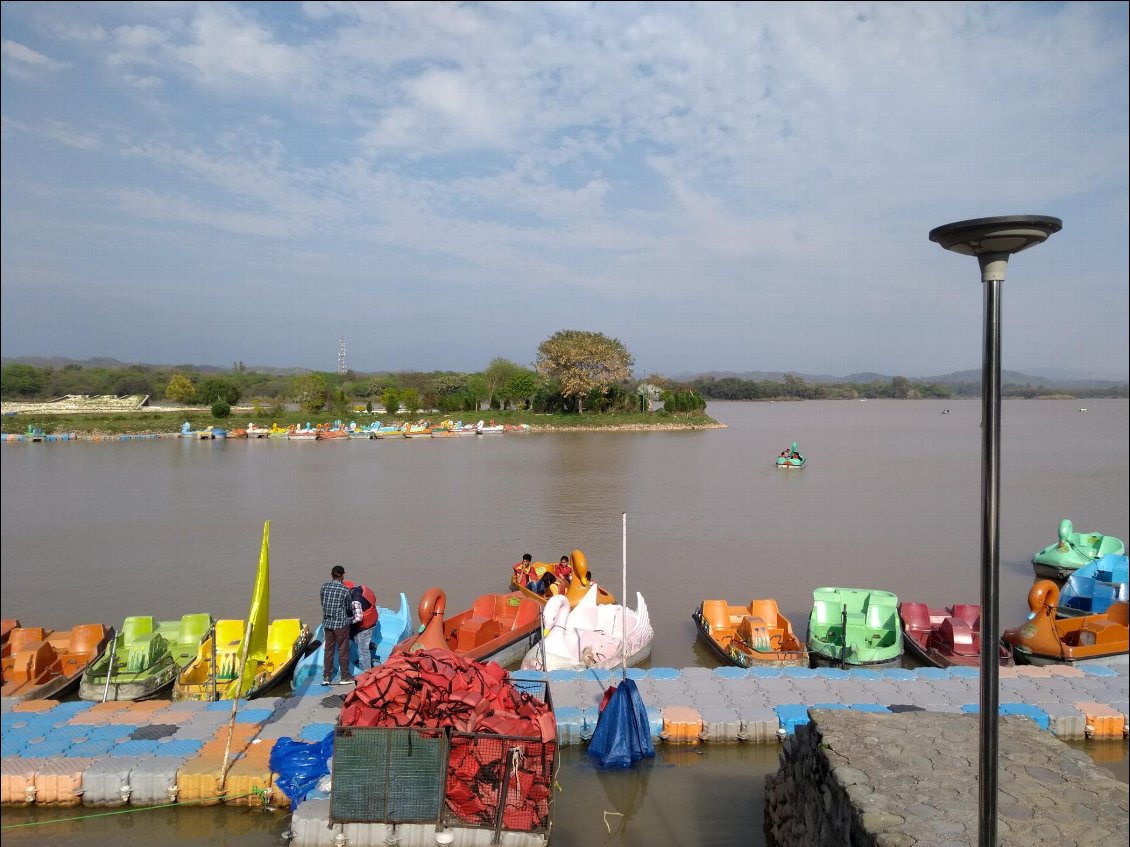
{"type": "Point", "coordinates": [910, 780]}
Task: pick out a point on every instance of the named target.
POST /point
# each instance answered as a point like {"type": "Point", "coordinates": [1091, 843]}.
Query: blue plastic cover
{"type": "Point", "coordinates": [622, 736]}
{"type": "Point", "coordinates": [300, 764]}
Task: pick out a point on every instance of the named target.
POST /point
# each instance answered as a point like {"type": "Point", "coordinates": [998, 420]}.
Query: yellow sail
{"type": "Point", "coordinates": [258, 615]}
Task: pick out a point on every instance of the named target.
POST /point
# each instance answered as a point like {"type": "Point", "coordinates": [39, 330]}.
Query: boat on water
{"type": "Point", "coordinates": [497, 628]}
{"type": "Point", "coordinates": [255, 431]}
{"type": "Point", "coordinates": [756, 635]}
{"type": "Point", "coordinates": [574, 576]}
{"type": "Point", "coordinates": [591, 635]}
{"type": "Point", "coordinates": [46, 664]}
{"type": "Point", "coordinates": [6, 627]}
{"type": "Point", "coordinates": [245, 659]}
{"type": "Point", "coordinates": [1102, 638]}
{"type": "Point", "coordinates": [1094, 587]}
{"type": "Point", "coordinates": [143, 661]}
{"type": "Point", "coordinates": [854, 627]}
{"type": "Point", "coordinates": [301, 433]}
{"type": "Point", "coordinates": [491, 428]}
{"type": "Point", "coordinates": [947, 637]}
{"type": "Point", "coordinates": [790, 459]}
{"type": "Point", "coordinates": [1072, 551]}
{"type": "Point", "coordinates": [423, 429]}
{"type": "Point", "coordinates": [393, 626]}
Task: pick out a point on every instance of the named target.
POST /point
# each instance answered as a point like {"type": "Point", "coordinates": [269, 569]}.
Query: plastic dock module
{"type": "Point", "coordinates": [681, 725]}
{"type": "Point", "coordinates": [1102, 721]}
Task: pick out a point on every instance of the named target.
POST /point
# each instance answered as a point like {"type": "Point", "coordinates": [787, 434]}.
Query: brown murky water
{"type": "Point", "coordinates": [890, 499]}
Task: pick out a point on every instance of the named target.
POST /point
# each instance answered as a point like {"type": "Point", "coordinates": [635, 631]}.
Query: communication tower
{"type": "Point", "coordinates": [341, 355]}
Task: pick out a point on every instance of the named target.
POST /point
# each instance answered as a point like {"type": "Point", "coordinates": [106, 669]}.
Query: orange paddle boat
{"type": "Point", "coordinates": [40, 664]}
{"type": "Point", "coordinates": [1100, 639]}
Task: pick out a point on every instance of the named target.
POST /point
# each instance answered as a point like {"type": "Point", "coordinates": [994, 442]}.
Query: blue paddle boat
{"type": "Point", "coordinates": [1092, 588]}
{"type": "Point", "coordinates": [392, 628]}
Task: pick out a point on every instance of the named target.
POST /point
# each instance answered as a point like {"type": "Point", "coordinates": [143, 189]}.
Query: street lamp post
{"type": "Point", "coordinates": [992, 241]}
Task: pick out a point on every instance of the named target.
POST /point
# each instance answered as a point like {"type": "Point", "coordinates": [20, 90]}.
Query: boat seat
{"type": "Point", "coordinates": [136, 626]}
{"type": "Point", "coordinates": [30, 665]}
{"type": "Point", "coordinates": [1119, 613]}
{"type": "Point", "coordinates": [193, 629]}
{"type": "Point", "coordinates": [282, 635]}
{"type": "Point", "coordinates": [717, 614]}
{"type": "Point", "coordinates": [476, 631]}
{"type": "Point", "coordinates": [855, 621]}
{"type": "Point", "coordinates": [958, 632]}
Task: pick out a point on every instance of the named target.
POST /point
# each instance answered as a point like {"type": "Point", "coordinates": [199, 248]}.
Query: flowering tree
{"type": "Point", "coordinates": [582, 361]}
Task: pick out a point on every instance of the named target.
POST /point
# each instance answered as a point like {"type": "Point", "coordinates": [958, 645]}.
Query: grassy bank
{"type": "Point", "coordinates": [169, 422]}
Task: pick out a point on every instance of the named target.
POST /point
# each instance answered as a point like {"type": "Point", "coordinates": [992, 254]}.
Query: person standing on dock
{"type": "Point", "coordinates": [337, 613]}
{"type": "Point", "coordinates": [363, 622]}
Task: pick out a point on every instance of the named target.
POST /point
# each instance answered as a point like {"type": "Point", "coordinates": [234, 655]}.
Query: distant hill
{"type": "Point", "coordinates": [1008, 378]}
{"type": "Point", "coordinates": [1062, 379]}
{"type": "Point", "coordinates": [106, 362]}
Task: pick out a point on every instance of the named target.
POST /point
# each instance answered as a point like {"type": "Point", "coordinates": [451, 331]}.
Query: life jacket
{"type": "Point", "coordinates": [368, 600]}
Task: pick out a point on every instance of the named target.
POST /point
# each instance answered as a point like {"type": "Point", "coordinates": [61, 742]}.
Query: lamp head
{"type": "Point", "coordinates": [993, 240]}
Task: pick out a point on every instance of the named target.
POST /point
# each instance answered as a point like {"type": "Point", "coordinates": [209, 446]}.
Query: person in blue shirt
{"type": "Point", "coordinates": [337, 614]}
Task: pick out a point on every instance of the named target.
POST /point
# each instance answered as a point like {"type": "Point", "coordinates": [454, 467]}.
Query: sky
{"type": "Point", "coordinates": [721, 186]}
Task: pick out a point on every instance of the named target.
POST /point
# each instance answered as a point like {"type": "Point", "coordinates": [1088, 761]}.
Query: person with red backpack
{"type": "Point", "coordinates": [363, 604]}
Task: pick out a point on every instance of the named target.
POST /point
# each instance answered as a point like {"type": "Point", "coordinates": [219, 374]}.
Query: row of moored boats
{"type": "Point", "coordinates": [570, 622]}
{"type": "Point", "coordinates": [339, 430]}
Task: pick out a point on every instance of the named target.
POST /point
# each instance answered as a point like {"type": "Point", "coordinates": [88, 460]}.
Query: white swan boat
{"type": "Point", "coordinates": [592, 635]}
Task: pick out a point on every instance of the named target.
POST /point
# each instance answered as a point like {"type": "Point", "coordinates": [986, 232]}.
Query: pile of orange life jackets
{"type": "Point", "coordinates": [436, 688]}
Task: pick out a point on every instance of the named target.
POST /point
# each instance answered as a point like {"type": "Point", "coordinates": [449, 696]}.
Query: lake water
{"type": "Point", "coordinates": [890, 499]}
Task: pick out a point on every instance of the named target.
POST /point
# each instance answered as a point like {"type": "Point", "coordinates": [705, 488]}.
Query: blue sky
{"type": "Point", "coordinates": [720, 186]}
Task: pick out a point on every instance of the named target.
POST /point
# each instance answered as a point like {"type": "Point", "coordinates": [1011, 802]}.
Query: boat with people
{"type": "Point", "coordinates": [1102, 638]}
{"type": "Point", "coordinates": [591, 635]}
{"type": "Point", "coordinates": [498, 628]}
{"type": "Point", "coordinates": [854, 627]}
{"type": "Point", "coordinates": [1094, 587]}
{"type": "Point", "coordinates": [45, 664]}
{"type": "Point", "coordinates": [571, 571]}
{"type": "Point", "coordinates": [392, 627]}
{"type": "Point", "coordinates": [143, 661]}
{"type": "Point", "coordinates": [947, 637]}
{"type": "Point", "coordinates": [1072, 551]}
{"type": "Point", "coordinates": [756, 635]}
{"type": "Point", "coordinates": [245, 659]}
{"type": "Point", "coordinates": [790, 459]}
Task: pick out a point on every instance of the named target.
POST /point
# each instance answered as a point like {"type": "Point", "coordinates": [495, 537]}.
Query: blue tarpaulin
{"type": "Point", "coordinates": [300, 764]}
{"type": "Point", "coordinates": [622, 736]}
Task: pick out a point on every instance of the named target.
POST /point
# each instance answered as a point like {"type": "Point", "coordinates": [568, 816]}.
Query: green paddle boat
{"type": "Point", "coordinates": [1073, 551]}
{"type": "Point", "coordinates": [854, 627]}
{"type": "Point", "coordinates": [790, 459]}
{"type": "Point", "coordinates": [144, 660]}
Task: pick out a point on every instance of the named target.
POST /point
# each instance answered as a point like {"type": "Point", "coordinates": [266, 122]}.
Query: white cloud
{"type": "Point", "coordinates": [26, 63]}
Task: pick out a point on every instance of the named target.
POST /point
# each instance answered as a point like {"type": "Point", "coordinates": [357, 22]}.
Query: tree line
{"type": "Point", "coordinates": [575, 371]}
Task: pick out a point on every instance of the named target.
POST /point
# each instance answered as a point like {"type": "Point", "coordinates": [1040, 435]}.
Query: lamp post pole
{"type": "Point", "coordinates": [992, 241]}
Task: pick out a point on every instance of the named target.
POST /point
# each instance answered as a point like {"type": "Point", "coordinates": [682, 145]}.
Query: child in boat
{"type": "Point", "coordinates": [522, 569]}
{"type": "Point", "coordinates": [563, 571]}
{"type": "Point", "coordinates": [546, 586]}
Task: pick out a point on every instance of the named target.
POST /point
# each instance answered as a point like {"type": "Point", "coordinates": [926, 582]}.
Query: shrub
{"type": "Point", "coordinates": [221, 409]}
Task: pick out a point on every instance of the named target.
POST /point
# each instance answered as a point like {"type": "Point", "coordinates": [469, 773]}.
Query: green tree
{"type": "Point", "coordinates": [583, 361]}
{"type": "Point", "coordinates": [901, 387]}
{"type": "Point", "coordinates": [310, 391]}
{"type": "Point", "coordinates": [410, 400]}
{"type": "Point", "coordinates": [477, 389]}
{"type": "Point", "coordinates": [180, 389]}
{"type": "Point", "coordinates": [522, 385]}
{"type": "Point", "coordinates": [390, 399]}
{"type": "Point", "coordinates": [208, 391]}
{"type": "Point", "coordinates": [21, 381]}
{"type": "Point", "coordinates": [497, 374]}
{"type": "Point", "coordinates": [221, 409]}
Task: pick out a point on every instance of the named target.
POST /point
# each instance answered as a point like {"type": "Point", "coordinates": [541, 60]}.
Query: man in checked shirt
{"type": "Point", "coordinates": [337, 613]}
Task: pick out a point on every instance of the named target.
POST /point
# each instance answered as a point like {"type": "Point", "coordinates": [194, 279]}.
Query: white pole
{"type": "Point", "coordinates": [624, 605]}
